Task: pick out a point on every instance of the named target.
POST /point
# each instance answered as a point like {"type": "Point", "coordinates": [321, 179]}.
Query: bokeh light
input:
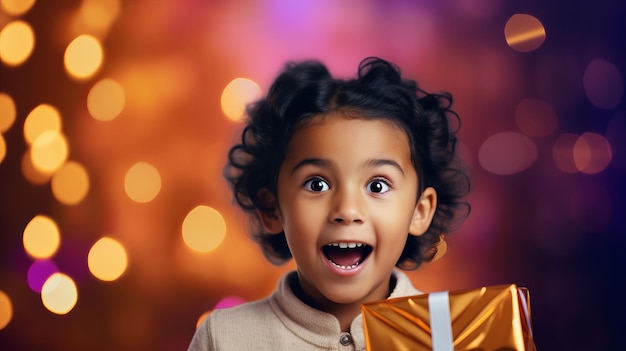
{"type": "Point", "coordinates": [3, 148]}
{"type": "Point", "coordinates": [204, 229]}
{"type": "Point", "coordinates": [524, 32]}
{"type": "Point", "coordinates": [142, 182]}
{"type": "Point", "coordinates": [6, 310]}
{"type": "Point", "coordinates": [151, 85]}
{"type": "Point", "coordinates": [49, 151]}
{"type": "Point", "coordinates": [592, 153]}
{"type": "Point", "coordinates": [59, 293]}
{"type": "Point", "coordinates": [202, 318]}
{"type": "Point", "coordinates": [70, 184]}
{"type": "Point", "coordinates": [535, 118]}
{"type": "Point", "coordinates": [16, 7]}
{"type": "Point", "coordinates": [17, 41]}
{"type": "Point", "coordinates": [563, 152]}
{"type": "Point", "coordinates": [32, 174]}
{"type": "Point", "coordinates": [83, 57]}
{"type": "Point", "coordinates": [507, 153]}
{"type": "Point", "coordinates": [237, 94]}
{"type": "Point", "coordinates": [38, 272]}
{"type": "Point", "coordinates": [106, 100]}
{"type": "Point", "coordinates": [98, 15]}
{"type": "Point", "coordinates": [107, 259]}
{"type": "Point", "coordinates": [41, 237]}
{"type": "Point", "coordinates": [160, 87]}
{"type": "Point", "coordinates": [42, 118]}
{"type": "Point", "coordinates": [228, 302]}
{"type": "Point", "coordinates": [7, 112]}
{"type": "Point", "coordinates": [603, 83]}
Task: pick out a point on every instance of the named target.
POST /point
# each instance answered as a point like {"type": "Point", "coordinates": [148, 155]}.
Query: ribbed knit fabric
{"type": "Point", "coordinates": [283, 322]}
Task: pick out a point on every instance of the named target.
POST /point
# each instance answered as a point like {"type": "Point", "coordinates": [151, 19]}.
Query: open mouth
{"type": "Point", "coordinates": [346, 255]}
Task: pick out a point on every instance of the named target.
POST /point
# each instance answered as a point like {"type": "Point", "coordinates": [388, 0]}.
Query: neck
{"type": "Point", "coordinates": [345, 313]}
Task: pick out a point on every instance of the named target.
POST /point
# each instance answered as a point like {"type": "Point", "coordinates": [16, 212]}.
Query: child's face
{"type": "Point", "coordinates": [346, 182]}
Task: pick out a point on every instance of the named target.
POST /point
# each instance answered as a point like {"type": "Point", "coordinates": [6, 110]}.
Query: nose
{"type": "Point", "coordinates": [348, 207]}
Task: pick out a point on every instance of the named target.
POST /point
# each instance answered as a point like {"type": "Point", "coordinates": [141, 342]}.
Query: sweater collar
{"type": "Point", "coordinates": [320, 328]}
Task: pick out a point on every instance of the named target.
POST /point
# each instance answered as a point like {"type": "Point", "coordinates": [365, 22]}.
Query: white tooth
{"type": "Point", "coordinates": [352, 245]}
{"type": "Point", "coordinates": [345, 267]}
{"type": "Point", "coordinates": [343, 245]}
{"type": "Point", "coordinates": [334, 244]}
{"type": "Point", "coordinates": [359, 244]}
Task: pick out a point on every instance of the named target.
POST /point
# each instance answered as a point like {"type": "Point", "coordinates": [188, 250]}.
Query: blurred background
{"type": "Point", "coordinates": [118, 232]}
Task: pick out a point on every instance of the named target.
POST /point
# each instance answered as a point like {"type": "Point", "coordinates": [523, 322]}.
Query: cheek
{"type": "Point", "coordinates": [393, 224]}
{"type": "Point", "coordinates": [300, 219]}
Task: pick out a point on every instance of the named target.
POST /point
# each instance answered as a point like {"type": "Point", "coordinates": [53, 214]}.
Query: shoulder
{"type": "Point", "coordinates": [249, 312]}
{"type": "Point", "coordinates": [246, 318]}
{"type": "Point", "coordinates": [236, 328]}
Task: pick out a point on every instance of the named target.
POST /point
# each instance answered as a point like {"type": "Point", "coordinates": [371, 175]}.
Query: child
{"type": "Point", "coordinates": [350, 178]}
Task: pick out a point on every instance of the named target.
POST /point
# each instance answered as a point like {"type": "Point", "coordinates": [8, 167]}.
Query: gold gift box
{"type": "Point", "coordinates": [486, 319]}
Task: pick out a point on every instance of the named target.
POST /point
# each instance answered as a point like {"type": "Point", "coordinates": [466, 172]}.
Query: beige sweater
{"type": "Point", "coordinates": [283, 322]}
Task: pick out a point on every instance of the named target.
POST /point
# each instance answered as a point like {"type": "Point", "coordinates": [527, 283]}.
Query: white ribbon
{"type": "Point", "coordinates": [440, 322]}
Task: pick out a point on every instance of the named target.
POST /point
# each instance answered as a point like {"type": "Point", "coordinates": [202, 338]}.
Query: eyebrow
{"type": "Point", "coordinates": [373, 163]}
{"type": "Point", "coordinates": [310, 161]}
{"type": "Point", "coordinates": [378, 162]}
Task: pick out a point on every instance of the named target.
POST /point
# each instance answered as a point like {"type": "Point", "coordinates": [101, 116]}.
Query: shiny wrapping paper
{"type": "Point", "coordinates": [486, 319]}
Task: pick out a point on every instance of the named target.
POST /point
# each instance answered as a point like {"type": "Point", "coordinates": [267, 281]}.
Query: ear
{"type": "Point", "coordinates": [424, 212]}
{"type": "Point", "coordinates": [270, 219]}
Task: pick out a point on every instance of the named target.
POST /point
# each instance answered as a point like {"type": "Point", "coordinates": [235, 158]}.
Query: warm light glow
{"type": "Point", "coordinates": [507, 153]}
{"type": "Point", "coordinates": [106, 100]}
{"type": "Point", "coordinates": [204, 229]}
{"type": "Point", "coordinates": [107, 259]}
{"type": "Point", "coordinates": [6, 310]}
{"type": "Point", "coordinates": [59, 294]}
{"type": "Point", "coordinates": [42, 118]}
{"type": "Point", "coordinates": [17, 41]}
{"type": "Point", "coordinates": [202, 318]}
{"type": "Point", "coordinates": [236, 95]}
{"type": "Point", "coordinates": [3, 148]}
{"type": "Point", "coordinates": [70, 183]}
{"type": "Point", "coordinates": [524, 33]}
{"type": "Point", "coordinates": [7, 112]}
{"type": "Point", "coordinates": [49, 151]}
{"type": "Point", "coordinates": [16, 7]}
{"type": "Point", "coordinates": [99, 14]}
{"type": "Point", "coordinates": [592, 153]}
{"type": "Point", "coordinates": [142, 182]}
{"type": "Point", "coordinates": [32, 174]}
{"type": "Point", "coordinates": [83, 57]}
{"type": "Point", "coordinates": [41, 237]}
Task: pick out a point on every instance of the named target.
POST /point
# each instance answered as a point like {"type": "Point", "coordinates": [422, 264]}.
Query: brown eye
{"type": "Point", "coordinates": [316, 185]}
{"type": "Point", "coordinates": [378, 187]}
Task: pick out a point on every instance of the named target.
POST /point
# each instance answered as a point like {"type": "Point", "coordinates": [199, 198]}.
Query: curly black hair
{"type": "Point", "coordinates": [306, 89]}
